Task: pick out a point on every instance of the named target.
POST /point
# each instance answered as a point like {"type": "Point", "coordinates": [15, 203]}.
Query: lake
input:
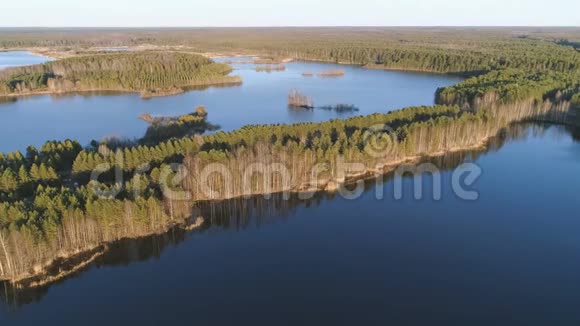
{"type": "Point", "coordinates": [19, 58]}
{"type": "Point", "coordinates": [262, 99]}
{"type": "Point", "coordinates": [510, 257]}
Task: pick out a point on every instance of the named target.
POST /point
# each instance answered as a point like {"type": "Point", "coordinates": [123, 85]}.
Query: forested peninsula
{"type": "Point", "coordinates": [147, 72]}
{"type": "Point", "coordinates": [50, 210]}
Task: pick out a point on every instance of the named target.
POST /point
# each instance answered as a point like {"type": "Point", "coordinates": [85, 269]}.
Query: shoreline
{"type": "Point", "coordinates": [40, 54]}
{"type": "Point", "coordinates": [149, 94]}
{"type": "Point", "coordinates": [57, 84]}
{"type": "Point", "coordinates": [381, 67]}
{"type": "Point", "coordinates": [59, 54]}
{"type": "Point", "coordinates": [55, 53]}
{"type": "Point", "coordinates": [42, 277]}
{"type": "Point", "coordinates": [76, 261]}
{"type": "Point", "coordinates": [326, 185]}
{"type": "Point", "coordinates": [416, 70]}
{"type": "Point", "coordinates": [144, 94]}
{"type": "Point", "coordinates": [33, 52]}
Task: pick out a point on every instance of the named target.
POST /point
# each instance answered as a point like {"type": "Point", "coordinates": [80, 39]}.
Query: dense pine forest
{"type": "Point", "coordinates": [163, 128]}
{"type": "Point", "coordinates": [511, 85]}
{"type": "Point", "coordinates": [49, 207]}
{"type": "Point", "coordinates": [468, 51]}
{"type": "Point", "coordinates": [242, 213]}
{"type": "Point", "coordinates": [147, 72]}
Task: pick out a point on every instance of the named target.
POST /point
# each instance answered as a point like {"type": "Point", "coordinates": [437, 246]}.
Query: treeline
{"type": "Point", "coordinates": [67, 216]}
{"type": "Point", "coordinates": [62, 221]}
{"type": "Point", "coordinates": [36, 229]}
{"type": "Point", "coordinates": [21, 174]}
{"type": "Point", "coordinates": [53, 208]}
{"type": "Point", "coordinates": [163, 128]}
{"type": "Point", "coordinates": [127, 71]}
{"type": "Point", "coordinates": [469, 51]}
{"type": "Point", "coordinates": [411, 133]}
{"type": "Point", "coordinates": [536, 57]}
{"type": "Point", "coordinates": [47, 212]}
{"type": "Point", "coordinates": [575, 101]}
{"type": "Point", "coordinates": [511, 85]}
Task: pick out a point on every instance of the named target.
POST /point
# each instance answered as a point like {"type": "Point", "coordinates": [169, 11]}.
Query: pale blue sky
{"type": "Point", "coordinates": [288, 12]}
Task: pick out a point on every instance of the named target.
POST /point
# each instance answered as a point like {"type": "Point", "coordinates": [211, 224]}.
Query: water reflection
{"type": "Point", "coordinates": [5, 100]}
{"type": "Point", "coordinates": [240, 214]}
{"type": "Point", "coordinates": [260, 99]}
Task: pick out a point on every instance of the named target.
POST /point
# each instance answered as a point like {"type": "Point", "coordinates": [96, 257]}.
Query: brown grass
{"type": "Point", "coordinates": [270, 68]}
{"type": "Point", "coordinates": [332, 73]}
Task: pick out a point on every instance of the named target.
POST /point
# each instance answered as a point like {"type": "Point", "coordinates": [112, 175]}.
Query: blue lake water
{"type": "Point", "coordinates": [261, 99]}
{"type": "Point", "coordinates": [19, 58]}
{"type": "Point", "coordinates": [508, 258]}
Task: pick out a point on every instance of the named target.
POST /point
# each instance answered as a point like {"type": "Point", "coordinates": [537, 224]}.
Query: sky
{"type": "Point", "coordinates": [195, 13]}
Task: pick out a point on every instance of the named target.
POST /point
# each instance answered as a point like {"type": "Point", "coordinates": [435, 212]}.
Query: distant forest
{"type": "Point", "coordinates": [147, 72]}
{"type": "Point", "coordinates": [48, 206]}
{"type": "Point", "coordinates": [457, 50]}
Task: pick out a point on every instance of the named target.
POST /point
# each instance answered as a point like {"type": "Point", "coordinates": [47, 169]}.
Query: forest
{"type": "Point", "coordinates": [163, 128]}
{"type": "Point", "coordinates": [148, 72]}
{"type": "Point", "coordinates": [50, 207]}
{"type": "Point", "coordinates": [466, 51]}
{"type": "Point", "coordinates": [511, 85]}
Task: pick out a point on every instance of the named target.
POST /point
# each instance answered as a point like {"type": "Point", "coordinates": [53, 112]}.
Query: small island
{"type": "Point", "coordinates": [150, 73]}
{"type": "Point", "coordinates": [270, 68]}
{"type": "Point", "coordinates": [334, 73]}
{"type": "Point", "coordinates": [163, 128]}
{"type": "Point", "coordinates": [299, 100]}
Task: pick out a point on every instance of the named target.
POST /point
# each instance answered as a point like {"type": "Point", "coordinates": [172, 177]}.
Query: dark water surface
{"type": "Point", "coordinates": [509, 258]}
{"type": "Point", "coordinates": [261, 99]}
